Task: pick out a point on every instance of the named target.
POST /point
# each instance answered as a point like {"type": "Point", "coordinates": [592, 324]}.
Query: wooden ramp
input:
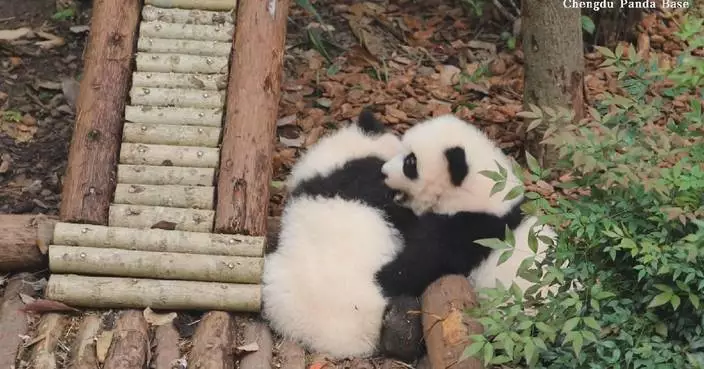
{"type": "Point", "coordinates": [165, 198]}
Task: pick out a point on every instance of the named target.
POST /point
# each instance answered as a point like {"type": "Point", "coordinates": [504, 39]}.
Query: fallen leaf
{"type": "Point", "coordinates": [51, 42]}
{"type": "Point", "coordinates": [318, 365]}
{"type": "Point", "coordinates": [70, 87]}
{"type": "Point", "coordinates": [250, 347]}
{"type": "Point", "coordinates": [49, 85]}
{"type": "Point", "coordinates": [43, 306]}
{"type": "Point", "coordinates": [27, 299]}
{"type": "Point", "coordinates": [102, 344]}
{"type": "Point", "coordinates": [79, 29]}
{"type": "Point", "coordinates": [449, 75]}
{"type": "Point", "coordinates": [163, 224]}
{"type": "Point", "coordinates": [14, 34]}
{"type": "Point", "coordinates": [287, 120]}
{"type": "Point", "coordinates": [292, 142]}
{"type": "Point", "coordinates": [158, 319]}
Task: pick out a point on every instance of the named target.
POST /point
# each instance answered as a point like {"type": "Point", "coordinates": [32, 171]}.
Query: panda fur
{"type": "Point", "coordinates": [319, 285]}
{"type": "Point", "coordinates": [438, 174]}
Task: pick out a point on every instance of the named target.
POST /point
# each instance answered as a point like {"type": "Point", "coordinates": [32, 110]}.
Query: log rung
{"type": "Point", "coordinates": [167, 134]}
{"type": "Point", "coordinates": [177, 97]}
{"type": "Point", "coordinates": [201, 32]}
{"type": "Point", "coordinates": [161, 175]}
{"type": "Point", "coordinates": [174, 115]}
{"type": "Point", "coordinates": [196, 197]}
{"type": "Point", "coordinates": [212, 82]}
{"type": "Point", "coordinates": [190, 47]}
{"type": "Point", "coordinates": [180, 63]}
{"type": "Point", "coordinates": [194, 4]}
{"type": "Point", "coordinates": [115, 293]}
{"type": "Point", "coordinates": [180, 156]}
{"type": "Point", "coordinates": [184, 16]}
{"type": "Point", "coordinates": [88, 235]}
{"type": "Point", "coordinates": [144, 217]}
{"type": "Point", "coordinates": [156, 265]}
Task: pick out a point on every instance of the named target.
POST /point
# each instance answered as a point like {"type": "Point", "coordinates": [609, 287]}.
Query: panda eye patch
{"type": "Point", "coordinates": [410, 168]}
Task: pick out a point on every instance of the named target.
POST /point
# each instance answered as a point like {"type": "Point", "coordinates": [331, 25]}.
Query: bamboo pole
{"type": "Point", "coordinates": [158, 240]}
{"type": "Point", "coordinates": [90, 176]}
{"type": "Point", "coordinates": [156, 265]}
{"type": "Point", "coordinates": [180, 156]}
{"type": "Point", "coordinates": [198, 32]}
{"type": "Point", "coordinates": [174, 115]}
{"type": "Point", "coordinates": [180, 63]}
{"type": "Point", "coordinates": [185, 16]}
{"type": "Point", "coordinates": [194, 4]}
{"type": "Point", "coordinates": [189, 47]}
{"type": "Point", "coordinates": [117, 293]}
{"type": "Point", "coordinates": [212, 82]}
{"type": "Point", "coordinates": [140, 216]}
{"type": "Point", "coordinates": [165, 195]}
{"type": "Point", "coordinates": [158, 175]}
{"type": "Point", "coordinates": [177, 96]}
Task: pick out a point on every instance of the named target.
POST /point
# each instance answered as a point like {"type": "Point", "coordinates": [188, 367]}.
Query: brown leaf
{"type": "Point", "coordinates": [250, 347]}
{"type": "Point", "coordinates": [26, 299]}
{"type": "Point", "coordinates": [44, 306]}
{"type": "Point", "coordinates": [158, 319]}
{"type": "Point", "coordinates": [163, 224]}
{"type": "Point", "coordinates": [14, 34]}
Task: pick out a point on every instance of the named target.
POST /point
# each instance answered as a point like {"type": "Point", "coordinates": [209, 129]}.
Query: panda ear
{"type": "Point", "coordinates": [456, 164]}
{"type": "Point", "coordinates": [369, 124]}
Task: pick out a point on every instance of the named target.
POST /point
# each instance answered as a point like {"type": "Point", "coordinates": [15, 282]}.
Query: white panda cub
{"type": "Point", "coordinates": [318, 284]}
{"type": "Point", "coordinates": [438, 174]}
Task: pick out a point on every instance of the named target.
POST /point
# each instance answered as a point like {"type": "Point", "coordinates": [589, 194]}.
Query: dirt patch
{"type": "Point", "coordinates": [36, 118]}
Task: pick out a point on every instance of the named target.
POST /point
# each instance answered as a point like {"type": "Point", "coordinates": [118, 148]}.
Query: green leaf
{"type": "Point", "coordinates": [498, 187]}
{"type": "Point", "coordinates": [661, 329]}
{"type": "Point", "coordinates": [529, 351]}
{"type": "Point", "coordinates": [502, 170]}
{"type": "Point", "coordinates": [532, 241]}
{"type": "Point", "coordinates": [533, 164]}
{"type": "Point", "coordinates": [591, 323]}
{"type": "Point", "coordinates": [587, 24]}
{"type": "Point", "coordinates": [472, 350]}
{"type": "Point", "coordinates": [514, 193]}
{"type": "Point", "coordinates": [496, 176]}
{"type": "Point", "coordinates": [493, 243]}
{"type": "Point", "coordinates": [570, 324]}
{"type": "Point", "coordinates": [675, 301]}
{"type": "Point", "coordinates": [545, 328]}
{"type": "Point", "coordinates": [501, 359]}
{"type": "Point", "coordinates": [694, 299]}
{"type": "Point", "coordinates": [577, 343]}
{"type": "Point", "coordinates": [660, 299]}
{"type": "Point", "coordinates": [534, 124]}
{"type": "Point", "coordinates": [504, 256]}
{"type": "Point", "coordinates": [488, 353]}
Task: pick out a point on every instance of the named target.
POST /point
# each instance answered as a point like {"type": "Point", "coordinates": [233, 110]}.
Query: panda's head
{"type": "Point", "coordinates": [438, 169]}
{"type": "Point", "coordinates": [367, 138]}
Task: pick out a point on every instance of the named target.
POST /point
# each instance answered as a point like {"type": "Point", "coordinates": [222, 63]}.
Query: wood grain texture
{"type": "Point", "coordinates": [213, 342]}
{"type": "Point", "coordinates": [90, 177]}
{"type": "Point", "coordinates": [130, 342]}
{"type": "Point", "coordinates": [19, 236]}
{"type": "Point", "coordinates": [13, 321]}
{"type": "Point", "coordinates": [445, 323]}
{"type": "Point", "coordinates": [250, 119]}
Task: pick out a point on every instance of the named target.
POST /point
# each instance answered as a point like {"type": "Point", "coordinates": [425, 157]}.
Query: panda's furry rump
{"type": "Point", "coordinates": [319, 287]}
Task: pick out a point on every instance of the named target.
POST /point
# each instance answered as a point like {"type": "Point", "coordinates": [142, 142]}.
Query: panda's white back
{"type": "Point", "coordinates": [319, 286]}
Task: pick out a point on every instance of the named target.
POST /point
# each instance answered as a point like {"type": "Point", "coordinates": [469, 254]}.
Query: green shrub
{"type": "Point", "coordinates": [634, 242]}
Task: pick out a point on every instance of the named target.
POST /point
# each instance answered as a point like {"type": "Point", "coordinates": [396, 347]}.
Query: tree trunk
{"type": "Point", "coordinates": [20, 238]}
{"type": "Point", "coordinates": [250, 120]}
{"type": "Point", "coordinates": [130, 343]}
{"type": "Point", "coordinates": [554, 65]}
{"type": "Point", "coordinates": [445, 324]}
{"type": "Point", "coordinates": [83, 355]}
{"type": "Point", "coordinates": [166, 352]}
{"type": "Point", "coordinates": [92, 160]}
{"type": "Point", "coordinates": [13, 321]}
{"type": "Point", "coordinates": [256, 331]}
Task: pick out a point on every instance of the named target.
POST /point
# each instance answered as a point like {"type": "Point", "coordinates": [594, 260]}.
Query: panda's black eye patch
{"type": "Point", "coordinates": [410, 169]}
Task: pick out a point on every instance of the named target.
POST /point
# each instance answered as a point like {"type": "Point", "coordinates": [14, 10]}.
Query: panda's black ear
{"type": "Point", "coordinates": [369, 124]}
{"type": "Point", "coordinates": [456, 164]}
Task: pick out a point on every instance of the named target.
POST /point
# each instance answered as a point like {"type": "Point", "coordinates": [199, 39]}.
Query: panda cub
{"type": "Point", "coordinates": [438, 175]}
{"type": "Point", "coordinates": [337, 231]}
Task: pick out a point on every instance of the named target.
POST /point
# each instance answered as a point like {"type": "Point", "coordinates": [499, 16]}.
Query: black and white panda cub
{"type": "Point", "coordinates": [438, 175]}
{"type": "Point", "coordinates": [337, 231]}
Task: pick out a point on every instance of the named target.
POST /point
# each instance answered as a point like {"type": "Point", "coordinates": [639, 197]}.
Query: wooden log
{"type": "Point", "coordinates": [110, 292]}
{"type": "Point", "coordinates": [90, 176]}
{"type": "Point", "coordinates": [158, 240]}
{"type": "Point", "coordinates": [165, 195]}
{"type": "Point", "coordinates": [177, 97]}
{"type": "Point", "coordinates": [139, 216]}
{"type": "Point", "coordinates": [168, 134]}
{"type": "Point", "coordinates": [159, 175]}
{"type": "Point", "coordinates": [445, 324]}
{"type": "Point", "coordinates": [213, 342]}
{"type": "Point", "coordinates": [198, 32]}
{"type": "Point", "coordinates": [167, 155]}
{"type": "Point", "coordinates": [252, 105]}
{"type": "Point", "coordinates": [21, 236]}
{"type": "Point", "coordinates": [130, 342]}
{"type": "Point", "coordinates": [180, 63]}
{"type": "Point", "coordinates": [13, 321]}
{"type": "Point", "coordinates": [174, 115]}
{"type": "Point", "coordinates": [51, 328]}
{"type": "Point", "coordinates": [188, 47]}
{"type": "Point", "coordinates": [194, 4]}
{"type": "Point", "coordinates": [83, 354]}
{"type": "Point", "coordinates": [166, 350]}
{"type": "Point", "coordinates": [180, 80]}
{"type": "Point", "coordinates": [157, 265]}
{"type": "Point", "coordinates": [184, 16]}
{"type": "Point", "coordinates": [256, 331]}
{"type": "Point", "coordinates": [291, 355]}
